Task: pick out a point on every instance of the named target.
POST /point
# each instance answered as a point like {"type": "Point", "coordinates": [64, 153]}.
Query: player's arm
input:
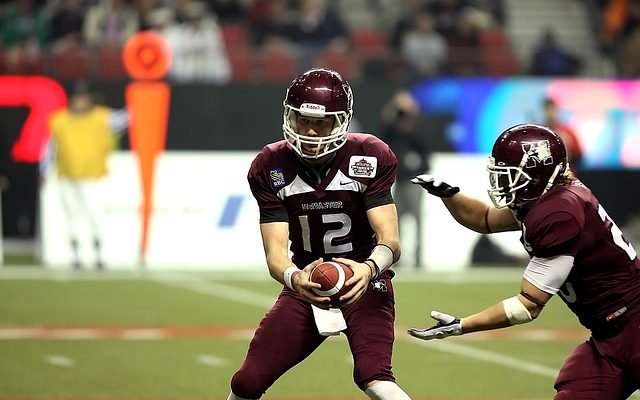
{"type": "Point", "coordinates": [468, 211]}
{"type": "Point", "coordinates": [543, 278]}
{"type": "Point", "coordinates": [384, 222]}
{"type": "Point", "coordinates": [519, 309]}
{"type": "Point", "coordinates": [478, 216]}
{"type": "Point", "coordinates": [118, 120]}
{"type": "Point", "coordinates": [275, 240]}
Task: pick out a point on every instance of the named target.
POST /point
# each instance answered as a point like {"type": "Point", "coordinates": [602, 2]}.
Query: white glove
{"type": "Point", "coordinates": [447, 325]}
{"type": "Point", "coordinates": [435, 186]}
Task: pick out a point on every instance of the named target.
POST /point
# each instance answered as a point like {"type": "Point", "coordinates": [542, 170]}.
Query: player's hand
{"type": "Point", "coordinates": [304, 286]}
{"type": "Point", "coordinates": [435, 186]}
{"type": "Point", "coordinates": [447, 325]}
{"type": "Point", "coordinates": [358, 282]}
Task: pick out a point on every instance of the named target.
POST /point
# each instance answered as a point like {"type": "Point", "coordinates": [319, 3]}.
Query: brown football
{"type": "Point", "coordinates": [331, 275]}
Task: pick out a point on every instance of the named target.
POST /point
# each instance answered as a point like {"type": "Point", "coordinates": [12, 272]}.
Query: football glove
{"type": "Point", "coordinates": [447, 325]}
{"type": "Point", "coordinates": [435, 186]}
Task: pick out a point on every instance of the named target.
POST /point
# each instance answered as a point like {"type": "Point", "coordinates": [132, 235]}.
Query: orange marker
{"type": "Point", "coordinates": [147, 58]}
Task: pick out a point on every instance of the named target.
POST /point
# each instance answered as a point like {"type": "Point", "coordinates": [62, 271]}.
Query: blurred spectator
{"type": "Point", "coordinates": [143, 9]}
{"type": "Point", "coordinates": [423, 49]}
{"type": "Point", "coordinates": [271, 20]}
{"type": "Point", "coordinates": [464, 45]}
{"type": "Point", "coordinates": [23, 33]}
{"type": "Point", "coordinates": [228, 11]}
{"type": "Point", "coordinates": [495, 8]}
{"type": "Point", "coordinates": [551, 59]}
{"type": "Point", "coordinates": [22, 21]}
{"type": "Point", "coordinates": [568, 135]}
{"type": "Point", "coordinates": [199, 54]}
{"type": "Point", "coordinates": [447, 13]}
{"type": "Point", "coordinates": [163, 21]}
{"type": "Point", "coordinates": [317, 27]}
{"type": "Point", "coordinates": [83, 137]}
{"type": "Point", "coordinates": [66, 21]}
{"type": "Point", "coordinates": [181, 8]}
{"type": "Point", "coordinates": [619, 19]}
{"type": "Point", "coordinates": [629, 56]}
{"type": "Point", "coordinates": [624, 39]}
{"type": "Point", "coordinates": [406, 21]}
{"type": "Point", "coordinates": [404, 131]}
{"type": "Point", "coordinates": [110, 23]}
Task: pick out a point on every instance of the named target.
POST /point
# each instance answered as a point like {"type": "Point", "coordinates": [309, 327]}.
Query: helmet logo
{"type": "Point", "coordinates": [312, 110]}
{"type": "Point", "coordinates": [538, 152]}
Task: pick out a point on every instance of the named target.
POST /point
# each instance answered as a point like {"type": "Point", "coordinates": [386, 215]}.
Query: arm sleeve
{"type": "Point", "coordinates": [548, 274]}
{"type": "Point", "coordinates": [273, 215]}
{"type": "Point", "coordinates": [118, 120]}
{"type": "Point", "coordinates": [48, 159]}
{"type": "Point", "coordinates": [377, 199]}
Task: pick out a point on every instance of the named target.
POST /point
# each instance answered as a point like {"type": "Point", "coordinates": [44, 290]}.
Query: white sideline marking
{"type": "Point", "coordinates": [60, 361]}
{"type": "Point", "coordinates": [221, 290]}
{"type": "Point", "coordinates": [488, 356]}
{"type": "Point", "coordinates": [212, 361]}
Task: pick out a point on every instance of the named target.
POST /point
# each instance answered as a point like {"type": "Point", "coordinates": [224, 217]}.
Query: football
{"type": "Point", "coordinates": [331, 275]}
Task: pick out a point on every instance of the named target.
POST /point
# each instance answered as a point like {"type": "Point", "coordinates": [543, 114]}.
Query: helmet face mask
{"type": "Point", "coordinates": [316, 94]}
{"type": "Point", "coordinates": [526, 161]}
{"type": "Point", "coordinates": [504, 182]}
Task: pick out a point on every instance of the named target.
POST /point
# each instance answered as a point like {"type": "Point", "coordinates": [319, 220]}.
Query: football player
{"type": "Point", "coordinates": [576, 250]}
{"type": "Point", "coordinates": [328, 192]}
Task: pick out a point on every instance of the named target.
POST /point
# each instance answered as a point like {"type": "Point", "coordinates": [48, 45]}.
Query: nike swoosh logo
{"type": "Point", "coordinates": [345, 183]}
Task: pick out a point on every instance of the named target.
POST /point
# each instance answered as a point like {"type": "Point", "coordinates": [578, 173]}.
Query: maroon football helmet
{"type": "Point", "coordinates": [318, 93]}
{"type": "Point", "coordinates": [526, 161]}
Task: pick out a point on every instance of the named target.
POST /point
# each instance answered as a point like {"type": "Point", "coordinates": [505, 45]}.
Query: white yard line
{"type": "Point", "coordinates": [60, 361]}
{"type": "Point", "coordinates": [459, 349]}
{"type": "Point", "coordinates": [211, 360]}
{"type": "Point", "coordinates": [191, 283]}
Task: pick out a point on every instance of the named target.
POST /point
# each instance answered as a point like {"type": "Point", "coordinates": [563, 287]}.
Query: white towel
{"type": "Point", "coordinates": [329, 322]}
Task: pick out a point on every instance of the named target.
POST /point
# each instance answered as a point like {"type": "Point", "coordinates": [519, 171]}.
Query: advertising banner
{"type": "Point", "coordinates": [205, 218]}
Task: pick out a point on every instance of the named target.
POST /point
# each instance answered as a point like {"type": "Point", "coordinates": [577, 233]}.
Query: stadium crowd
{"type": "Point", "coordinates": [273, 40]}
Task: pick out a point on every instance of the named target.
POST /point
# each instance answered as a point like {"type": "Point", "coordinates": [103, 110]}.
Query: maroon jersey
{"type": "Point", "coordinates": [326, 208]}
{"type": "Point", "coordinates": [605, 276]}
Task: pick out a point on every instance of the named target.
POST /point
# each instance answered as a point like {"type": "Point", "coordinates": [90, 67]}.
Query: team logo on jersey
{"type": "Point", "coordinates": [379, 286]}
{"type": "Point", "coordinates": [363, 166]}
{"type": "Point", "coordinates": [277, 178]}
{"type": "Point", "coordinates": [539, 152]}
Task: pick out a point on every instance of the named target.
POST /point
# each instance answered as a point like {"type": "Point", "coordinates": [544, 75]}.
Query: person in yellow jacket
{"type": "Point", "coordinates": [83, 136]}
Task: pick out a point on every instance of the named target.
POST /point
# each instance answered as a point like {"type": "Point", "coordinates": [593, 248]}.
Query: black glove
{"type": "Point", "coordinates": [447, 325]}
{"type": "Point", "coordinates": [434, 186]}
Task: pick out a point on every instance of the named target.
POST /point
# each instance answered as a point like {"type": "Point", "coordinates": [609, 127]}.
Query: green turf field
{"type": "Point", "coordinates": [180, 336]}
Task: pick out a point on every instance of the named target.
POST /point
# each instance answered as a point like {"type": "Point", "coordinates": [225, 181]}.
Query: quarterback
{"type": "Point", "coordinates": [328, 193]}
{"type": "Point", "coordinates": [576, 251]}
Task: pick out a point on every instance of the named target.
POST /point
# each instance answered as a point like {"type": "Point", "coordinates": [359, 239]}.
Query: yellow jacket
{"type": "Point", "coordinates": [83, 142]}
